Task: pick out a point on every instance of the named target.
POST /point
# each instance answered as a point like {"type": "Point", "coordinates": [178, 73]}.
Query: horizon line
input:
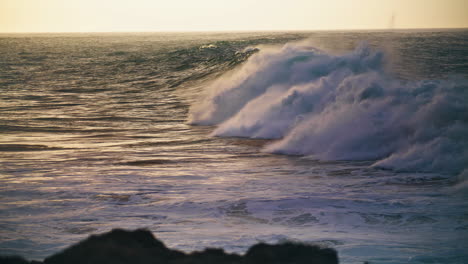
{"type": "Point", "coordinates": [233, 31]}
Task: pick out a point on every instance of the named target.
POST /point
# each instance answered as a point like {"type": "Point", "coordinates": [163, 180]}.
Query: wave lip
{"type": "Point", "coordinates": [341, 107]}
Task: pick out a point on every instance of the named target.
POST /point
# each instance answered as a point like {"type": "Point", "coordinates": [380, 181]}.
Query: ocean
{"type": "Point", "coordinates": [356, 140]}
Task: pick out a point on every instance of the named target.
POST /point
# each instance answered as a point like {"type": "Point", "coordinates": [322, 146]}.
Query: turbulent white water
{"type": "Point", "coordinates": [341, 107]}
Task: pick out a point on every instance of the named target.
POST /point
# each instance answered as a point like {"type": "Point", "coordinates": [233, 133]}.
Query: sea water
{"type": "Point", "coordinates": [351, 140]}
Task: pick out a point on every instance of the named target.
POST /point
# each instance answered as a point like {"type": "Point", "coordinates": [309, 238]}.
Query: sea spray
{"type": "Point", "coordinates": [341, 107]}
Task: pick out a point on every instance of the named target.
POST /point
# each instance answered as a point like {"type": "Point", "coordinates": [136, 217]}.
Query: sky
{"type": "Point", "coordinates": [227, 15]}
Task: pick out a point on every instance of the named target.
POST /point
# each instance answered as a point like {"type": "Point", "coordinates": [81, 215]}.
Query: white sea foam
{"type": "Point", "coordinates": [341, 107]}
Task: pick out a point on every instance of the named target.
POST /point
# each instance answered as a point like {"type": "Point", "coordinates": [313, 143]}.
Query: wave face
{"type": "Point", "coordinates": [341, 107]}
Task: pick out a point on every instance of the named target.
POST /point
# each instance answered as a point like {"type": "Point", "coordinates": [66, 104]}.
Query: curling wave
{"type": "Point", "coordinates": [341, 107]}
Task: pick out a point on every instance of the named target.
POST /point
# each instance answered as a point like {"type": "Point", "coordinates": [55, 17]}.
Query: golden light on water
{"type": "Point", "coordinates": [214, 15]}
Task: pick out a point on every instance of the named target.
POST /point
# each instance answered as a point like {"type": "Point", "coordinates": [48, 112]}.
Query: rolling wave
{"type": "Point", "coordinates": [341, 107]}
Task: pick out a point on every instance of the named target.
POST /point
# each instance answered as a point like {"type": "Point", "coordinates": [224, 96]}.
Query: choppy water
{"type": "Point", "coordinates": [99, 131]}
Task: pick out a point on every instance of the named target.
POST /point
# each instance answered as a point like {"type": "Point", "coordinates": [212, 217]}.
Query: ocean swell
{"type": "Point", "coordinates": [341, 107]}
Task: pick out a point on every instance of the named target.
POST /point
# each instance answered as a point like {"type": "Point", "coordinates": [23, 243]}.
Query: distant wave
{"type": "Point", "coordinates": [341, 107]}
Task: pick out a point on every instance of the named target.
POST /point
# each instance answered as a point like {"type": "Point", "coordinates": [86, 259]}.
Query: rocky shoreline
{"type": "Point", "coordinates": [141, 247]}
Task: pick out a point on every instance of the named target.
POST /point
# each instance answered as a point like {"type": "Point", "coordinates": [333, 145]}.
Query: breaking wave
{"type": "Point", "coordinates": [341, 107]}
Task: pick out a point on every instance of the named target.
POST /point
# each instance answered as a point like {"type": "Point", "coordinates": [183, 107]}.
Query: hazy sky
{"type": "Point", "coordinates": [223, 15]}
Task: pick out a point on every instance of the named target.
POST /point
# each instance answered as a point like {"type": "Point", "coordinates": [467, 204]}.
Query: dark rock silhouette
{"type": "Point", "coordinates": [289, 253]}
{"type": "Point", "coordinates": [15, 260]}
{"type": "Point", "coordinates": [141, 247]}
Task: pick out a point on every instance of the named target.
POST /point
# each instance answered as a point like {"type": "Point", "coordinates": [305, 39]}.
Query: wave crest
{"type": "Point", "coordinates": [345, 107]}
